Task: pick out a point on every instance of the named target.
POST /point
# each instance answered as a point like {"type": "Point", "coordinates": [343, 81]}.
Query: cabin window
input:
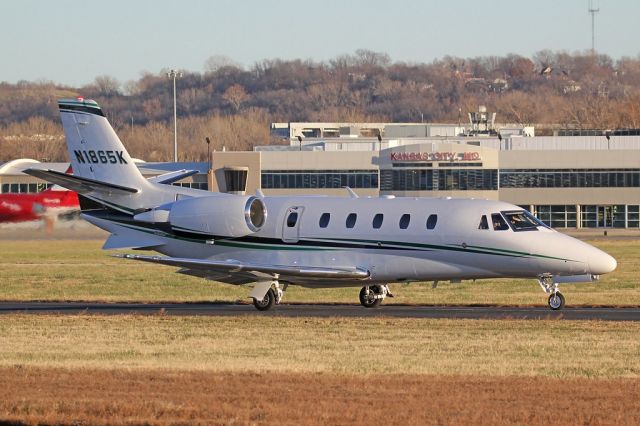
{"type": "Point", "coordinates": [404, 221]}
{"type": "Point", "coordinates": [432, 220]}
{"type": "Point", "coordinates": [292, 219]}
{"type": "Point", "coordinates": [351, 220]}
{"type": "Point", "coordinates": [324, 220]}
{"type": "Point", "coordinates": [499, 224]}
{"type": "Point", "coordinates": [484, 224]}
{"type": "Point", "coordinates": [377, 221]}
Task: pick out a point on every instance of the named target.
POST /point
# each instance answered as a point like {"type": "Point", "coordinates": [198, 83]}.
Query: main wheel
{"type": "Point", "coordinates": [267, 302]}
{"type": "Point", "coordinates": [556, 301]}
{"type": "Point", "coordinates": [370, 300]}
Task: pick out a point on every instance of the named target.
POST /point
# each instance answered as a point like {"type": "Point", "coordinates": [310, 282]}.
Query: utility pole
{"type": "Point", "coordinates": [174, 74]}
{"type": "Point", "coordinates": [593, 10]}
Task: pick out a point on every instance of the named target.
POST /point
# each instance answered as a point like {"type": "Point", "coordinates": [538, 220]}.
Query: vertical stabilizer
{"type": "Point", "coordinates": [95, 150]}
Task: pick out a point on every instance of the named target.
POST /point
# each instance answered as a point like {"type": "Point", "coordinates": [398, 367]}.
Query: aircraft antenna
{"type": "Point", "coordinates": [593, 9]}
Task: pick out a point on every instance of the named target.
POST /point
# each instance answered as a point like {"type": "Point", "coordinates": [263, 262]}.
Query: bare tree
{"type": "Point", "coordinates": [235, 95]}
{"type": "Point", "coordinates": [214, 63]}
{"type": "Point", "coordinates": [106, 85]}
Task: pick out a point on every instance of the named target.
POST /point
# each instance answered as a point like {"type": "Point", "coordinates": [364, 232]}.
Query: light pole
{"type": "Point", "coordinates": [208, 151]}
{"type": "Point", "coordinates": [175, 74]}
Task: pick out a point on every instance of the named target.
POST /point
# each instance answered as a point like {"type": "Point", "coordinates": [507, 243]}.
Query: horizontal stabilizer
{"type": "Point", "coordinates": [171, 177]}
{"type": "Point", "coordinates": [79, 184]}
{"type": "Point", "coordinates": [234, 266]}
{"type": "Point", "coordinates": [116, 241]}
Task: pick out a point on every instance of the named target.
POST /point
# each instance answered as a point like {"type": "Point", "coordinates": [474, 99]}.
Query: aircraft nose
{"type": "Point", "coordinates": [601, 263]}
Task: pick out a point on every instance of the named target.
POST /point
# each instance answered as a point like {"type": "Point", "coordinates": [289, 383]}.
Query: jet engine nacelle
{"type": "Point", "coordinates": [227, 216]}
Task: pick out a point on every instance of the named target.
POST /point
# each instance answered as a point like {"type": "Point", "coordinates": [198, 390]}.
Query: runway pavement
{"type": "Point", "coordinates": [326, 310]}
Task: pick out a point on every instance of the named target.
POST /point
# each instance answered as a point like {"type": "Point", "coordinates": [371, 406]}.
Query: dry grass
{"type": "Point", "coordinates": [92, 369]}
{"type": "Point", "coordinates": [352, 346]}
{"type": "Point", "coordinates": [79, 270]}
{"type": "Point", "coordinates": [53, 396]}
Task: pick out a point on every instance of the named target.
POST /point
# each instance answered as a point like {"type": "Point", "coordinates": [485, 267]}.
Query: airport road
{"type": "Point", "coordinates": [325, 310]}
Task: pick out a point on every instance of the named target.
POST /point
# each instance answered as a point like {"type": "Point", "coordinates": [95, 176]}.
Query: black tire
{"type": "Point", "coordinates": [370, 301]}
{"type": "Point", "coordinates": [267, 302]}
{"type": "Point", "coordinates": [556, 301]}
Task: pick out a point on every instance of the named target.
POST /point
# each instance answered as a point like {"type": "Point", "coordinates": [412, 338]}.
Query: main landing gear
{"type": "Point", "coordinates": [372, 295]}
{"type": "Point", "coordinates": [265, 294]}
{"type": "Point", "coordinates": [556, 299]}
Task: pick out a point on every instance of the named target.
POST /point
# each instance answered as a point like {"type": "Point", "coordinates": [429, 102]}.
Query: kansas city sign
{"type": "Point", "coordinates": [435, 156]}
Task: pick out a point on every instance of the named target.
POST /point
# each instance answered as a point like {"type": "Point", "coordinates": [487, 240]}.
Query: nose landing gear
{"type": "Point", "coordinates": [556, 299]}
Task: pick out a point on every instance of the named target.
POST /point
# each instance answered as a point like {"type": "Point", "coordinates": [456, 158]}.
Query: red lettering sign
{"type": "Point", "coordinates": [435, 156]}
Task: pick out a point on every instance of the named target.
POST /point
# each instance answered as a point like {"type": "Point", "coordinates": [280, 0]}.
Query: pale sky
{"type": "Point", "coordinates": [73, 41]}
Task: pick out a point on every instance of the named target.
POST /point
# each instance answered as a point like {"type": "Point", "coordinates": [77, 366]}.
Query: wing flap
{"type": "Point", "coordinates": [234, 266]}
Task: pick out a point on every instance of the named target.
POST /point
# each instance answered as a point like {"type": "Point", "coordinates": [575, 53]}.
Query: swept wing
{"type": "Point", "coordinates": [235, 266]}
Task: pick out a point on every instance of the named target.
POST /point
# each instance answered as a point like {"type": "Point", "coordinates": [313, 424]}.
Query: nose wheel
{"type": "Point", "coordinates": [556, 301]}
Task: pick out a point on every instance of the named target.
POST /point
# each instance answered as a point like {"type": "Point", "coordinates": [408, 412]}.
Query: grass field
{"type": "Point", "coordinates": [351, 346]}
{"type": "Point", "coordinates": [79, 270]}
{"type": "Point", "coordinates": [161, 369]}
{"type": "Point", "coordinates": [87, 369]}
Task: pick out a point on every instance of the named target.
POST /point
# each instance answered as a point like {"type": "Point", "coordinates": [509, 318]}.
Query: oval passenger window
{"type": "Point", "coordinates": [432, 220]}
{"type": "Point", "coordinates": [404, 221]}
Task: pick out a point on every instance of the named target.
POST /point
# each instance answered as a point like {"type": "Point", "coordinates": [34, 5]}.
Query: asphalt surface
{"type": "Point", "coordinates": [326, 310]}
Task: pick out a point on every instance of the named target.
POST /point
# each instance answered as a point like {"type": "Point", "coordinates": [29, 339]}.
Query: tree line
{"type": "Point", "coordinates": [234, 105]}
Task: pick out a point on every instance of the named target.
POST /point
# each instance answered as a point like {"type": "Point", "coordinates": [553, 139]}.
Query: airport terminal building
{"type": "Point", "coordinates": [567, 181]}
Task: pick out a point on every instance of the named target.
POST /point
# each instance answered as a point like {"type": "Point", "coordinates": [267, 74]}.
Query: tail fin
{"type": "Point", "coordinates": [95, 150]}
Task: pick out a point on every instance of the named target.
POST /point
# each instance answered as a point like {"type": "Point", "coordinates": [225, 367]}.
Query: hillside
{"type": "Point", "coordinates": [234, 106]}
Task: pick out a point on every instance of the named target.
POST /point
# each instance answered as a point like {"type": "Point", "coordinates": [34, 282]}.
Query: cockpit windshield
{"type": "Point", "coordinates": [522, 220]}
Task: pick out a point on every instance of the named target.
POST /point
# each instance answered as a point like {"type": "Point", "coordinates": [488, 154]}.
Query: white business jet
{"type": "Point", "coordinates": [312, 241]}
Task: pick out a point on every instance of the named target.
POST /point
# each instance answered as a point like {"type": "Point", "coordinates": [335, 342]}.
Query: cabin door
{"type": "Point", "coordinates": [291, 225]}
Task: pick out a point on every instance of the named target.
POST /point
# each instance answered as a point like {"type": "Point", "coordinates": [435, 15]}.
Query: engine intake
{"type": "Point", "coordinates": [219, 215]}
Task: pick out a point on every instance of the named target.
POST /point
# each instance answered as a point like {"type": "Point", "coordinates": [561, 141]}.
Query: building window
{"type": "Point", "coordinates": [633, 216]}
{"type": "Point", "coordinates": [235, 179]}
{"type": "Point", "coordinates": [324, 220]}
{"type": "Point", "coordinates": [612, 216]}
{"type": "Point", "coordinates": [588, 216]}
{"type": "Point", "coordinates": [318, 179]}
{"type": "Point", "coordinates": [442, 180]}
{"type": "Point", "coordinates": [377, 221]}
{"type": "Point", "coordinates": [351, 220]}
{"type": "Point", "coordinates": [432, 220]}
{"type": "Point", "coordinates": [570, 178]}
{"type": "Point", "coordinates": [559, 216]}
{"type": "Point", "coordinates": [406, 180]}
{"type": "Point", "coordinates": [404, 221]}
{"type": "Point", "coordinates": [193, 185]}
